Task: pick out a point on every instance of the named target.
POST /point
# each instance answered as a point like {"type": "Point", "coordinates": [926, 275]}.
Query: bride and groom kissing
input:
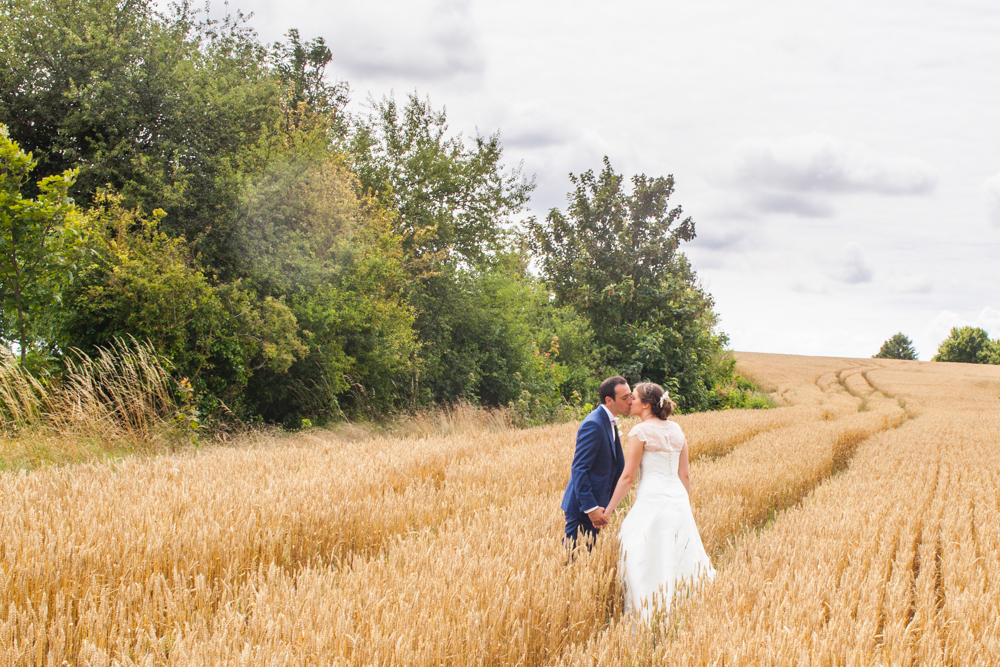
{"type": "Point", "coordinates": [660, 547]}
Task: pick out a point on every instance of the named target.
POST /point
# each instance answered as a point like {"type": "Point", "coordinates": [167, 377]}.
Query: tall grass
{"type": "Point", "coordinates": [120, 398]}
{"type": "Point", "coordinates": [21, 395]}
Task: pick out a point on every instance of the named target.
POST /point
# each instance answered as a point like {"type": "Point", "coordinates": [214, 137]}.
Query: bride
{"type": "Point", "coordinates": [660, 545]}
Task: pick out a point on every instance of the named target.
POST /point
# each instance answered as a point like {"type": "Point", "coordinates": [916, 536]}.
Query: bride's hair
{"type": "Point", "coordinates": [656, 398]}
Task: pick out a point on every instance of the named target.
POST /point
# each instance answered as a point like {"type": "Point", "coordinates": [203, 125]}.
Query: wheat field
{"type": "Point", "coordinates": [856, 524]}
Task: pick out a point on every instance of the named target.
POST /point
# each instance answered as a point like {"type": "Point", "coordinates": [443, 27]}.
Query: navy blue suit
{"type": "Point", "coordinates": [597, 465]}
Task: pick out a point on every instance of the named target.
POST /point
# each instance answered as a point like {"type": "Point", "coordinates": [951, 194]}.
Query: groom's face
{"type": "Point", "coordinates": [623, 400]}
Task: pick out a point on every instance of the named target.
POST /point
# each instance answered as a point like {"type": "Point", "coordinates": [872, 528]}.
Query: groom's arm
{"type": "Point", "coordinates": [588, 440]}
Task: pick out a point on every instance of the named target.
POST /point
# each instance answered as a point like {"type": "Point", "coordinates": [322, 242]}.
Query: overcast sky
{"type": "Point", "coordinates": [841, 160]}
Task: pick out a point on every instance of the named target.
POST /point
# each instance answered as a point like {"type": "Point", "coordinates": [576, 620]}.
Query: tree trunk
{"type": "Point", "coordinates": [22, 327]}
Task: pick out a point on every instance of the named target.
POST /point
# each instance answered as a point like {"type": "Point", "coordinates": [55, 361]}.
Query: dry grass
{"type": "Point", "coordinates": [857, 525]}
{"type": "Point", "coordinates": [118, 400]}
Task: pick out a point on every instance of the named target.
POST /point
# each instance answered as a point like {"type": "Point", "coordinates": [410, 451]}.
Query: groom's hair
{"type": "Point", "coordinates": [607, 388]}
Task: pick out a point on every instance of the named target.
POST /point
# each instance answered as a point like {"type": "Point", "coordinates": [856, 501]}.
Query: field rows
{"type": "Point", "coordinates": [856, 525]}
{"type": "Point", "coordinates": [891, 563]}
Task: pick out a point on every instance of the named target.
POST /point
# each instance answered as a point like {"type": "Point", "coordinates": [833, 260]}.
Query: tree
{"type": "Point", "coordinates": [453, 201]}
{"type": "Point", "coordinates": [160, 106]}
{"type": "Point", "coordinates": [453, 204]}
{"type": "Point", "coordinates": [39, 239]}
{"type": "Point", "coordinates": [613, 257]}
{"type": "Point", "coordinates": [970, 345]}
{"type": "Point", "coordinates": [302, 67]}
{"type": "Point", "coordinates": [897, 347]}
{"type": "Point", "coordinates": [611, 244]}
{"type": "Point", "coordinates": [304, 236]}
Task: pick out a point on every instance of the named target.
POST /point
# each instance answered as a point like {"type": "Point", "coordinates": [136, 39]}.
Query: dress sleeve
{"type": "Point", "coordinates": [682, 438]}
{"type": "Point", "coordinates": [639, 433]}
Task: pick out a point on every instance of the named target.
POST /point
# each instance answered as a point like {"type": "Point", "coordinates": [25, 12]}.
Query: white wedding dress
{"type": "Point", "coordinates": [660, 545]}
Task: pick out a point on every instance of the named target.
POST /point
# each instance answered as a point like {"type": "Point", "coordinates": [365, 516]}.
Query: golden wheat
{"type": "Point", "coordinates": [855, 525]}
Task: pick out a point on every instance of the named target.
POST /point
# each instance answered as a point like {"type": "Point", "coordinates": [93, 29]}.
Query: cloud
{"type": "Point", "coordinates": [551, 146]}
{"type": "Point", "coordinates": [991, 189]}
{"type": "Point", "coordinates": [797, 174]}
{"type": "Point", "coordinates": [779, 202]}
{"type": "Point", "coordinates": [820, 163]}
{"type": "Point", "coordinates": [940, 327]}
{"type": "Point", "coordinates": [535, 125]}
{"type": "Point", "coordinates": [912, 284]}
{"type": "Point", "coordinates": [989, 319]}
{"type": "Point", "coordinates": [851, 267]}
{"type": "Point", "coordinates": [810, 287]}
{"type": "Point", "coordinates": [722, 238]}
{"type": "Point", "coordinates": [398, 38]}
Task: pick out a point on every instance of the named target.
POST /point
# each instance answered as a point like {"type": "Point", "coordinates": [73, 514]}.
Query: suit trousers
{"type": "Point", "coordinates": [577, 524]}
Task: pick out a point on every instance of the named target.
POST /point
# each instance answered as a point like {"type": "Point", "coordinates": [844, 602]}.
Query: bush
{"type": "Point", "coordinates": [740, 394]}
{"type": "Point", "coordinates": [139, 282]}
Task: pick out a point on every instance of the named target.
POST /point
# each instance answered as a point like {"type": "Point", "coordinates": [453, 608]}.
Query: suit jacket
{"type": "Point", "coordinates": [597, 465]}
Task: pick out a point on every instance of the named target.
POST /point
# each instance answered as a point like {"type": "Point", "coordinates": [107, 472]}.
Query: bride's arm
{"type": "Point", "coordinates": [682, 469]}
{"type": "Point", "coordinates": [625, 482]}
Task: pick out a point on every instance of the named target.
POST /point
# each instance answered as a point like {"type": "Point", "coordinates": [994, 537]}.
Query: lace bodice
{"type": "Point", "coordinates": [658, 436]}
{"type": "Point", "coordinates": [662, 443]}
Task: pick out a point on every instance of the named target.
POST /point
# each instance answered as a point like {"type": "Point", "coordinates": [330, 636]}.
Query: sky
{"type": "Point", "coordinates": [841, 161]}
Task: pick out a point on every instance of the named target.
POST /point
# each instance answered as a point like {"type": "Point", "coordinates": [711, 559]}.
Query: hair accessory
{"type": "Point", "coordinates": [665, 397]}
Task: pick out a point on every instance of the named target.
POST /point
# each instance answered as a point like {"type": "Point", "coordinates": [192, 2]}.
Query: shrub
{"type": "Point", "coordinates": [740, 394]}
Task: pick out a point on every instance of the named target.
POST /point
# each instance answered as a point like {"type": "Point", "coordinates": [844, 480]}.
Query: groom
{"type": "Point", "coordinates": [598, 461]}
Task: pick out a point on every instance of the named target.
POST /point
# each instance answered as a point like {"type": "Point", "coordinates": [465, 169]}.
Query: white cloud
{"type": "Point", "coordinates": [722, 238]}
{"type": "Point", "coordinates": [807, 286]}
{"type": "Point", "coordinates": [989, 319]}
{"type": "Point", "coordinates": [991, 189]}
{"type": "Point", "coordinates": [820, 163]}
{"type": "Point", "coordinates": [536, 124]}
{"type": "Point", "coordinates": [405, 39]}
{"type": "Point", "coordinates": [912, 284]}
{"type": "Point", "coordinates": [851, 266]}
{"type": "Point", "coordinates": [796, 174]}
{"type": "Point", "coordinates": [939, 328]}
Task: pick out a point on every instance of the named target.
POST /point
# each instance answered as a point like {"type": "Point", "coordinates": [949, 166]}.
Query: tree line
{"type": "Point", "coordinates": [970, 345]}
{"type": "Point", "coordinates": [168, 177]}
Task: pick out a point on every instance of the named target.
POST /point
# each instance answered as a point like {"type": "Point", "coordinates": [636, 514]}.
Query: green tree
{"type": "Point", "coordinates": [897, 347]}
{"type": "Point", "coordinates": [452, 199]}
{"type": "Point", "coordinates": [303, 235]}
{"type": "Point", "coordinates": [454, 204]}
{"type": "Point", "coordinates": [970, 345]}
{"type": "Point", "coordinates": [613, 257]}
{"type": "Point", "coordinates": [39, 240]}
{"type": "Point", "coordinates": [302, 68]}
{"type": "Point", "coordinates": [141, 282]}
{"type": "Point", "coordinates": [161, 106]}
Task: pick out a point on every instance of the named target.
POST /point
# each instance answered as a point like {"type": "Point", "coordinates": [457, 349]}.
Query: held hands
{"type": "Point", "coordinates": [598, 517]}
